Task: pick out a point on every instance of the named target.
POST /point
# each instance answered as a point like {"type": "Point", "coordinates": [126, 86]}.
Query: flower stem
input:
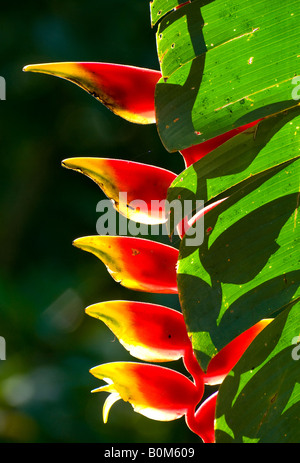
{"type": "Point", "coordinates": [193, 367]}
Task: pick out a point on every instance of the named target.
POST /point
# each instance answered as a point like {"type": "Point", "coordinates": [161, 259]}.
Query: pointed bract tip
{"type": "Point", "coordinates": [98, 389]}
{"type": "Point", "coordinates": [65, 162]}
{"type": "Point", "coordinates": [77, 242]}
{"type": "Point", "coordinates": [32, 68]}
{"type": "Point", "coordinates": [70, 163]}
{"type": "Point", "coordinates": [92, 311]}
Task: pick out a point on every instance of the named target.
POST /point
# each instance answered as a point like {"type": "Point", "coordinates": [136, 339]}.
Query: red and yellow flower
{"type": "Point", "coordinates": [137, 263]}
{"type": "Point", "coordinates": [158, 334]}
{"type": "Point", "coordinates": [154, 391]}
{"type": "Point", "coordinates": [149, 332]}
{"type": "Point", "coordinates": [145, 186]}
{"type": "Point", "coordinates": [127, 91]}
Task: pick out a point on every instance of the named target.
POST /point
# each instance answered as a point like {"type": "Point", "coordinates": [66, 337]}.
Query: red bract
{"type": "Point", "coordinates": [155, 392]}
{"type": "Point", "coordinates": [186, 223]}
{"type": "Point", "coordinates": [149, 332]}
{"type": "Point", "coordinates": [136, 263]}
{"type": "Point", "coordinates": [196, 152]}
{"type": "Point", "coordinates": [220, 365]}
{"type": "Point", "coordinates": [157, 333]}
{"type": "Point", "coordinates": [179, 6]}
{"type": "Point", "coordinates": [143, 187]}
{"type": "Point", "coordinates": [203, 421]}
{"type": "Point", "coordinates": [127, 91]}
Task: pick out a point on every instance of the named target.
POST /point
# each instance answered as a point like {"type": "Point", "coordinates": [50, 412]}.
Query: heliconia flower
{"type": "Point", "coordinates": [196, 152]}
{"type": "Point", "coordinates": [153, 391]}
{"type": "Point", "coordinates": [220, 365]}
{"type": "Point", "coordinates": [127, 91]}
{"type": "Point", "coordinates": [136, 263]}
{"type": "Point", "coordinates": [145, 186]}
{"type": "Point", "coordinates": [157, 333]}
{"type": "Point", "coordinates": [202, 422]}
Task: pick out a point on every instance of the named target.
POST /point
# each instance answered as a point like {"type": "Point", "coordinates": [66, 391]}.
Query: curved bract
{"type": "Point", "coordinates": [196, 152]}
{"type": "Point", "coordinates": [156, 333]}
{"type": "Point", "coordinates": [220, 365]}
{"type": "Point", "coordinates": [187, 223]}
{"type": "Point", "coordinates": [155, 392]}
{"type": "Point", "coordinates": [127, 91]}
{"type": "Point", "coordinates": [136, 263]}
{"type": "Point", "coordinates": [203, 422]}
{"type": "Point", "coordinates": [138, 191]}
{"type": "Point", "coordinates": [148, 331]}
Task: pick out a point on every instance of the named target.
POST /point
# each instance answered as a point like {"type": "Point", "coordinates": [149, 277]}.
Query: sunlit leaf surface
{"type": "Point", "coordinates": [260, 400]}
{"type": "Point", "coordinates": [247, 267]}
{"type": "Point", "coordinates": [217, 74]}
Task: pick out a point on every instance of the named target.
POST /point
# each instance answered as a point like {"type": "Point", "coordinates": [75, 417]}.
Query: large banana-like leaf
{"type": "Point", "coordinates": [260, 400]}
{"type": "Point", "coordinates": [247, 267]}
{"type": "Point", "coordinates": [159, 8]}
{"type": "Point", "coordinates": [273, 141]}
{"type": "Point", "coordinates": [224, 64]}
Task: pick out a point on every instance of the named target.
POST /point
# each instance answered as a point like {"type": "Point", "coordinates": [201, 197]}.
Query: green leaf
{"type": "Point", "coordinates": [254, 151]}
{"type": "Point", "coordinates": [158, 8]}
{"type": "Point", "coordinates": [259, 401]}
{"type": "Point", "coordinates": [247, 268]}
{"type": "Point", "coordinates": [224, 64]}
{"type": "Point", "coordinates": [178, 38]}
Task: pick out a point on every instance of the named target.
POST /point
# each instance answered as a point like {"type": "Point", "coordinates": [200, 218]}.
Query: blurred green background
{"type": "Point", "coordinates": [45, 282]}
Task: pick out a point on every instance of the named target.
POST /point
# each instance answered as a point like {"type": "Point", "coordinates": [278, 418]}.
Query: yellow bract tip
{"type": "Point", "coordinates": [110, 400]}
